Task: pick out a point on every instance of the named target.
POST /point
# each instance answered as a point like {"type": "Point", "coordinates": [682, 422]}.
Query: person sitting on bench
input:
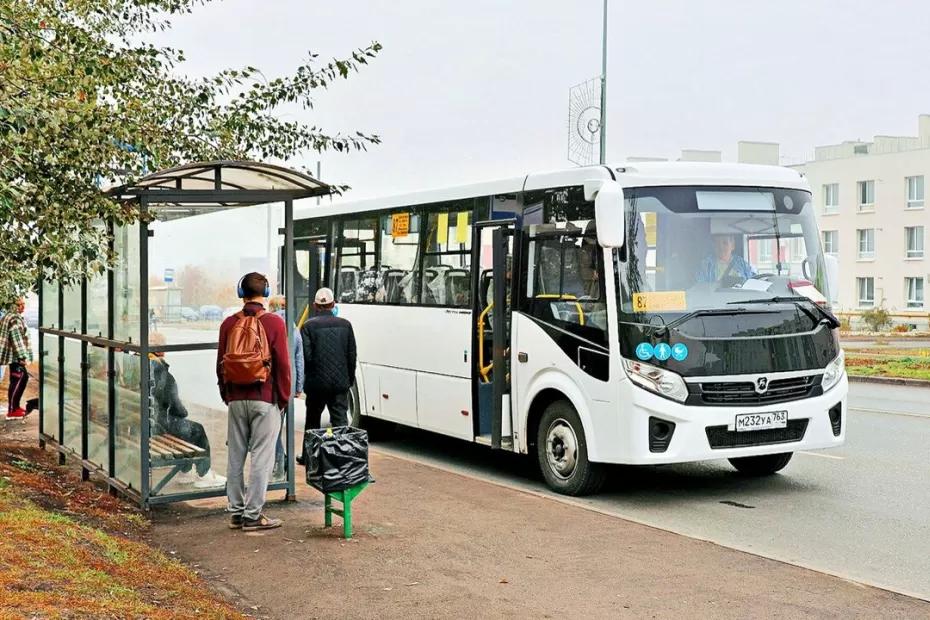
{"type": "Point", "coordinates": [171, 418]}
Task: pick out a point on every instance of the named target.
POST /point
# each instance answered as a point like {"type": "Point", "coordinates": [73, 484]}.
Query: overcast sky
{"type": "Point", "coordinates": [477, 90]}
{"type": "Point", "coordinates": [466, 91]}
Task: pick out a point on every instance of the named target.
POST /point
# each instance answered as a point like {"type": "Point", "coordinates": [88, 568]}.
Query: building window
{"type": "Point", "coordinates": [831, 242]}
{"type": "Point", "coordinates": [915, 192]}
{"type": "Point", "coordinates": [866, 195]}
{"type": "Point", "coordinates": [866, 237]}
{"type": "Point", "coordinates": [915, 292]}
{"type": "Point", "coordinates": [866, 288]}
{"type": "Point", "coordinates": [914, 236]}
{"type": "Point", "coordinates": [831, 198]}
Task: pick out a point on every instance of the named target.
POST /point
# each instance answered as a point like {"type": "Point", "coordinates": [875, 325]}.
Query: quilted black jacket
{"type": "Point", "coordinates": [329, 354]}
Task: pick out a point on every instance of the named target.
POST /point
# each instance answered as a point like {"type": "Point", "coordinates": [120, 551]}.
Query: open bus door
{"type": "Point", "coordinates": [492, 286]}
{"type": "Point", "coordinates": [310, 274]}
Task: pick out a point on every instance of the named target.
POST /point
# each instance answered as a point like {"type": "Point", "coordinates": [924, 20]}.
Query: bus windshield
{"type": "Point", "coordinates": [698, 248]}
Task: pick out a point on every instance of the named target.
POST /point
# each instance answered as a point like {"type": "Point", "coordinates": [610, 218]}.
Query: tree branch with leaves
{"type": "Point", "coordinates": [83, 101]}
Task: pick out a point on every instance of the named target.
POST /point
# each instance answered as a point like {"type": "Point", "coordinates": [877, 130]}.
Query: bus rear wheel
{"type": "Point", "coordinates": [562, 452]}
{"type": "Point", "coordinates": [763, 465]}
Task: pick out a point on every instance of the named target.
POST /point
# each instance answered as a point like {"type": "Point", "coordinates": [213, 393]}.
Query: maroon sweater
{"type": "Point", "coordinates": [277, 390]}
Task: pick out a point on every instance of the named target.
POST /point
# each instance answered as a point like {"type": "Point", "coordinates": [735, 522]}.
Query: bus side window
{"type": "Point", "coordinates": [447, 256]}
{"type": "Point", "coordinates": [356, 264]}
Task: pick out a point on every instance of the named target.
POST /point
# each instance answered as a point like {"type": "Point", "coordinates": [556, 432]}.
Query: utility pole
{"type": "Point", "coordinates": [604, 90]}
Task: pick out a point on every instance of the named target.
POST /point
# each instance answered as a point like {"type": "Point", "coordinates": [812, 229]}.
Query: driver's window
{"type": "Point", "coordinates": [563, 277]}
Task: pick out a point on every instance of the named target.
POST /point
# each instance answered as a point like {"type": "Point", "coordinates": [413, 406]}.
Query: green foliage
{"type": "Point", "coordinates": [84, 101]}
{"type": "Point", "coordinates": [877, 318]}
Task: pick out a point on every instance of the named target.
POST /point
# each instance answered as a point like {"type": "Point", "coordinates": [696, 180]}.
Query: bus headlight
{"type": "Point", "coordinates": [834, 371]}
{"type": "Point", "coordinates": [662, 382]}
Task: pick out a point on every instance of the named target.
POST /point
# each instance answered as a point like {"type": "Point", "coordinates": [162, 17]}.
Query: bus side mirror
{"type": "Point", "coordinates": [609, 212]}
{"type": "Point", "coordinates": [833, 276]}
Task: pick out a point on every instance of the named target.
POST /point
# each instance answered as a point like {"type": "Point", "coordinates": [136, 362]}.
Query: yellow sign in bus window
{"type": "Point", "coordinates": [400, 225]}
{"type": "Point", "coordinates": [442, 228]}
{"type": "Point", "coordinates": [461, 227]}
{"type": "Point", "coordinates": [660, 301]}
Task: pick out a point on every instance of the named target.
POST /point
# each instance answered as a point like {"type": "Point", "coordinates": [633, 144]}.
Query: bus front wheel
{"type": "Point", "coordinates": [562, 452]}
{"type": "Point", "coordinates": [763, 465]}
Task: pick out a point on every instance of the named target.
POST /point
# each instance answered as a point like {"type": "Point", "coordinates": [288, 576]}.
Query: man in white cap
{"type": "Point", "coordinates": [329, 363]}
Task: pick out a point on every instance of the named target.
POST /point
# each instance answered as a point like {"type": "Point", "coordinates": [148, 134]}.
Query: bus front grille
{"type": "Point", "coordinates": [744, 393]}
{"type": "Point", "coordinates": [719, 437]}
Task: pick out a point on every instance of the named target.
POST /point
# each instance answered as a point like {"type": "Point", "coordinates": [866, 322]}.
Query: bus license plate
{"type": "Point", "coordinates": [761, 421]}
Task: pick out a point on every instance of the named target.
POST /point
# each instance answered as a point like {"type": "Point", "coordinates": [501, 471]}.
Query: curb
{"type": "Point", "coordinates": [891, 381]}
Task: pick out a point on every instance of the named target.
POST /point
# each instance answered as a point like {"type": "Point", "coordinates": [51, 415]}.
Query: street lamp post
{"type": "Point", "coordinates": [603, 132]}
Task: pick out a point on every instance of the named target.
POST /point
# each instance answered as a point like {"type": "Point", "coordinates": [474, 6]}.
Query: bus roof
{"type": "Point", "coordinates": [633, 174]}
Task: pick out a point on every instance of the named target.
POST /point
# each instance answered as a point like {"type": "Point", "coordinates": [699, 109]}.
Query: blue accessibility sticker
{"type": "Point", "coordinates": [679, 351]}
{"type": "Point", "coordinates": [335, 310]}
{"type": "Point", "coordinates": [663, 351]}
{"type": "Point", "coordinates": [644, 351]}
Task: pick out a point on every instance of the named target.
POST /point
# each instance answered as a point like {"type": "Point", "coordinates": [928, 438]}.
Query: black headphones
{"type": "Point", "coordinates": [241, 292]}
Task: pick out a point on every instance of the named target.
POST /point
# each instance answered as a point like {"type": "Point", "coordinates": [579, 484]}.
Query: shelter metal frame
{"type": "Point", "coordinates": [173, 193]}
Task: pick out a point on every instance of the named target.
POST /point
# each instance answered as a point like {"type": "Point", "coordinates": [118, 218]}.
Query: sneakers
{"type": "Point", "coordinates": [16, 414]}
{"type": "Point", "coordinates": [235, 522]}
{"type": "Point", "coordinates": [209, 480]}
{"type": "Point", "coordinates": [261, 523]}
{"type": "Point", "coordinates": [186, 477]}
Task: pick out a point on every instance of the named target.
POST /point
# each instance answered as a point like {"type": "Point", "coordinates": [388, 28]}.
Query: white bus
{"type": "Point", "coordinates": [647, 314]}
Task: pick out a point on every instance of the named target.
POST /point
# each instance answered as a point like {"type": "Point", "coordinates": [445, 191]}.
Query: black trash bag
{"type": "Point", "coordinates": [338, 461]}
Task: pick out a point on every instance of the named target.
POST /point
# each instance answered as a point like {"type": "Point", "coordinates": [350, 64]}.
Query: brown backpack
{"type": "Point", "coordinates": [247, 359]}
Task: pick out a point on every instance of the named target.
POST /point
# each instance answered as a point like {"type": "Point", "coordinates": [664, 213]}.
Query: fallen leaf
{"type": "Point", "coordinates": [388, 589]}
{"type": "Point", "coordinates": [503, 580]}
{"type": "Point", "coordinates": [414, 583]}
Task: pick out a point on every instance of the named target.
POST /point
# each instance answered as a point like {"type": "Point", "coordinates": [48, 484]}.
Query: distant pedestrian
{"type": "Point", "coordinates": [253, 370]}
{"type": "Point", "coordinates": [329, 363]}
{"type": "Point", "coordinates": [153, 320]}
{"type": "Point", "coordinates": [16, 352]}
{"type": "Point", "coordinates": [278, 305]}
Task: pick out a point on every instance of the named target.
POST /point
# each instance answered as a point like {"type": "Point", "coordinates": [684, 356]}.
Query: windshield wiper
{"type": "Point", "coordinates": [691, 315]}
{"type": "Point", "coordinates": [824, 314]}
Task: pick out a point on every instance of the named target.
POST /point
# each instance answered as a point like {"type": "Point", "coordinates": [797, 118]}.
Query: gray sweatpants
{"type": "Point", "coordinates": [253, 427]}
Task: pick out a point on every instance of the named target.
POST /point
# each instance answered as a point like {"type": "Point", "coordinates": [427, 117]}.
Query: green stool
{"type": "Point", "coordinates": [345, 497]}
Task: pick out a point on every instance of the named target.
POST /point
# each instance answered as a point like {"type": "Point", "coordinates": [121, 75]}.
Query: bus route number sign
{"type": "Point", "coordinates": [400, 225]}
{"type": "Point", "coordinates": [659, 301]}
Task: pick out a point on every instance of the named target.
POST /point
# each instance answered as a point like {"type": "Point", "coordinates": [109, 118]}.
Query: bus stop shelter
{"type": "Point", "coordinates": [124, 352]}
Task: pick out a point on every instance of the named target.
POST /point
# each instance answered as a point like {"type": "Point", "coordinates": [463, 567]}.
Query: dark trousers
{"type": "Point", "coordinates": [336, 402]}
{"type": "Point", "coordinates": [19, 378]}
{"type": "Point", "coordinates": [191, 432]}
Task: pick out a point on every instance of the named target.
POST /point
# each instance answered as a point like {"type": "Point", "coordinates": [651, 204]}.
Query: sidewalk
{"type": "Point", "coordinates": [429, 543]}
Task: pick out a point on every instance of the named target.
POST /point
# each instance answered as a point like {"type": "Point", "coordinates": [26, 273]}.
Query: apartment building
{"type": "Point", "coordinates": [872, 209]}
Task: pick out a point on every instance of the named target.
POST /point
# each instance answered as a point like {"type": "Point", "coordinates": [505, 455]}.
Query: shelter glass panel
{"type": "Point", "coordinates": [126, 283]}
{"type": "Point", "coordinates": [71, 314]}
{"type": "Point", "coordinates": [97, 406]}
{"type": "Point", "coordinates": [50, 304]}
{"type": "Point", "coordinates": [73, 401]}
{"type": "Point", "coordinates": [50, 385]}
{"type": "Point", "coordinates": [128, 462]}
{"type": "Point", "coordinates": [97, 309]}
{"type": "Point", "coordinates": [195, 264]}
{"type": "Point", "coordinates": [189, 424]}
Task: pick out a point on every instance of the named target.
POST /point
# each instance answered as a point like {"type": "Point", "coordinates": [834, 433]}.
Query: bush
{"type": "Point", "coordinates": [845, 323]}
{"type": "Point", "coordinates": [878, 318]}
{"type": "Point", "coordinates": [901, 328]}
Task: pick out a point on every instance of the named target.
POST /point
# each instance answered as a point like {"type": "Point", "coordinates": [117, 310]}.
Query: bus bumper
{"type": "Point", "coordinates": [697, 427]}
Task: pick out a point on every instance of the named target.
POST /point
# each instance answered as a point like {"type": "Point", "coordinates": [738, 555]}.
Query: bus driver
{"type": "Point", "coordinates": [724, 263]}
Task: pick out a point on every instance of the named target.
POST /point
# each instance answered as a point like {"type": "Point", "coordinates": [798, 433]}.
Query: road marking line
{"type": "Point", "coordinates": [823, 456]}
{"type": "Point", "coordinates": [904, 413]}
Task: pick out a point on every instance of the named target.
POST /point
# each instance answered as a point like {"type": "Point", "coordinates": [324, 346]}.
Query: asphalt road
{"type": "Point", "coordinates": [861, 512]}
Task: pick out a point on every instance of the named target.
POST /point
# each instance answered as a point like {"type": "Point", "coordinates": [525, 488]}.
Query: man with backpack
{"type": "Point", "coordinates": [253, 369]}
{"type": "Point", "coordinates": [329, 363]}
